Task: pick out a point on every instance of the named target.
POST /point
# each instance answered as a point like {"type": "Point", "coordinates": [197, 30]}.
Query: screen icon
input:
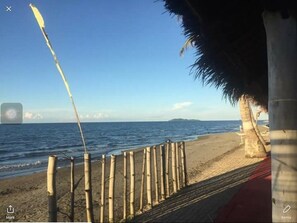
{"type": "Point", "coordinates": [8, 8]}
{"type": "Point", "coordinates": [10, 209]}
{"type": "Point", "coordinates": [11, 113]}
{"type": "Point", "coordinates": [286, 209]}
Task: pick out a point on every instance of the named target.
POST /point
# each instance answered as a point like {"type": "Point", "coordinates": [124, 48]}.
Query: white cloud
{"type": "Point", "coordinates": [100, 116]}
{"type": "Point", "coordinates": [32, 116]}
{"type": "Point", "coordinates": [93, 116]}
{"type": "Point", "coordinates": [181, 105]}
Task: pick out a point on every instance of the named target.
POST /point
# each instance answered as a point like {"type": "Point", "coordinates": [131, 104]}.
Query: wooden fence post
{"type": "Point", "coordinates": [182, 166]}
{"type": "Point", "coordinates": [111, 188]}
{"type": "Point", "coordinates": [177, 166]}
{"type": "Point", "coordinates": [51, 188]}
{"type": "Point", "coordinates": [125, 187]}
{"type": "Point", "coordinates": [185, 163]}
{"type": "Point", "coordinates": [156, 174]}
{"type": "Point", "coordinates": [142, 180]}
{"type": "Point", "coordinates": [148, 174]}
{"type": "Point", "coordinates": [173, 162]}
{"type": "Point", "coordinates": [132, 184]}
{"type": "Point", "coordinates": [102, 200]}
{"type": "Point", "coordinates": [167, 169]}
{"type": "Point", "coordinates": [72, 189]}
{"type": "Point", "coordinates": [88, 187]}
{"type": "Point", "coordinates": [162, 171]}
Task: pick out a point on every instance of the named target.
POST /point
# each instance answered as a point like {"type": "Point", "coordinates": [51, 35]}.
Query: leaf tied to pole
{"type": "Point", "coordinates": [41, 25]}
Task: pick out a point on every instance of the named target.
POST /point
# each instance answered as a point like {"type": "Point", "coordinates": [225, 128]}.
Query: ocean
{"type": "Point", "coordinates": [24, 149]}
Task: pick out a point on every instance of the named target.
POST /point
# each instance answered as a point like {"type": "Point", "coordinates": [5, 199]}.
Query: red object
{"type": "Point", "coordinates": [253, 201]}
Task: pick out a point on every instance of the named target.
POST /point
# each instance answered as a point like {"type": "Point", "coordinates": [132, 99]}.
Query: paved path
{"type": "Point", "coordinates": [209, 193]}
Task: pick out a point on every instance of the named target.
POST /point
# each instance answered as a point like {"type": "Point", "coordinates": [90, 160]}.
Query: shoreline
{"type": "Point", "coordinates": [31, 189]}
{"type": "Point", "coordinates": [116, 152]}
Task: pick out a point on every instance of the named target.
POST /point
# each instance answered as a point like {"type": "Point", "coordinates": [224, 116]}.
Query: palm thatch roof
{"type": "Point", "coordinates": [230, 42]}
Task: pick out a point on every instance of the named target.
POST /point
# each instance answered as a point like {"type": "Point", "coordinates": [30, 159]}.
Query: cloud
{"type": "Point", "coordinates": [93, 116]}
{"type": "Point", "coordinates": [100, 116]}
{"type": "Point", "coordinates": [32, 116]}
{"type": "Point", "coordinates": [181, 105]}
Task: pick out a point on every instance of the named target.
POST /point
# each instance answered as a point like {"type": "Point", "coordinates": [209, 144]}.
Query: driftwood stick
{"type": "Point", "coordinates": [125, 187]}
{"type": "Point", "coordinates": [111, 189]}
{"type": "Point", "coordinates": [167, 170]}
{"type": "Point", "coordinates": [148, 177]}
{"type": "Point", "coordinates": [51, 188]}
{"type": "Point", "coordinates": [102, 200]}
{"type": "Point", "coordinates": [177, 165]}
{"type": "Point", "coordinates": [173, 165]}
{"type": "Point", "coordinates": [183, 175]}
{"type": "Point", "coordinates": [156, 175]}
{"type": "Point", "coordinates": [142, 181]}
{"type": "Point", "coordinates": [185, 163]}
{"type": "Point", "coordinates": [132, 184]}
{"type": "Point", "coordinates": [71, 189]}
{"type": "Point", "coordinates": [88, 187]}
{"type": "Point", "coordinates": [162, 171]}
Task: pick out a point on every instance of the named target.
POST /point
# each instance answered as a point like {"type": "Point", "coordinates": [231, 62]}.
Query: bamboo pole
{"type": "Point", "coordinates": [125, 187]}
{"type": "Point", "coordinates": [185, 162]}
{"type": "Point", "coordinates": [132, 184]}
{"type": "Point", "coordinates": [156, 175]}
{"type": "Point", "coordinates": [111, 188]}
{"type": "Point", "coordinates": [51, 188]}
{"type": "Point", "coordinates": [162, 171]}
{"type": "Point", "coordinates": [142, 180]}
{"type": "Point", "coordinates": [88, 187]}
{"type": "Point", "coordinates": [177, 165]}
{"type": "Point", "coordinates": [148, 177]}
{"type": "Point", "coordinates": [72, 189]}
{"type": "Point", "coordinates": [173, 165]}
{"type": "Point", "coordinates": [102, 200]}
{"type": "Point", "coordinates": [183, 175]}
{"type": "Point", "coordinates": [167, 170]}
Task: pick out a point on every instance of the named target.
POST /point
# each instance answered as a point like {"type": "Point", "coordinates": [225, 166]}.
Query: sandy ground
{"type": "Point", "coordinates": [28, 194]}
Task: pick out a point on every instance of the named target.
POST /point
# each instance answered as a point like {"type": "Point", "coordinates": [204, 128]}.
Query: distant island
{"type": "Point", "coordinates": [183, 120]}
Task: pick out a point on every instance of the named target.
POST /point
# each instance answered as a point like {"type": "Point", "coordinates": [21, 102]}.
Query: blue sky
{"type": "Point", "coordinates": [121, 59]}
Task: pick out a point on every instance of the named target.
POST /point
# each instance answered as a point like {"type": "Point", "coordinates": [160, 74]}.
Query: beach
{"type": "Point", "coordinates": [28, 194]}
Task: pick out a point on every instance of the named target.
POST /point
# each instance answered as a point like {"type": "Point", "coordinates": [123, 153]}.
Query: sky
{"type": "Point", "coordinates": [121, 60]}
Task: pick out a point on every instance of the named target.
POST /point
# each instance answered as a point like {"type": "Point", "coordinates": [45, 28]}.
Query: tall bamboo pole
{"type": "Point", "coordinates": [88, 187]}
{"type": "Point", "coordinates": [173, 165]}
{"type": "Point", "coordinates": [148, 178]}
{"type": "Point", "coordinates": [102, 200]}
{"type": "Point", "coordinates": [125, 187]}
{"type": "Point", "coordinates": [51, 188]}
{"type": "Point", "coordinates": [111, 189]}
{"type": "Point", "coordinates": [167, 170]}
{"type": "Point", "coordinates": [72, 189]}
{"type": "Point", "coordinates": [185, 163]}
{"type": "Point", "coordinates": [142, 180]}
{"type": "Point", "coordinates": [156, 174]}
{"type": "Point", "coordinates": [132, 184]}
{"type": "Point", "coordinates": [162, 171]}
{"type": "Point", "coordinates": [41, 24]}
{"type": "Point", "coordinates": [177, 165]}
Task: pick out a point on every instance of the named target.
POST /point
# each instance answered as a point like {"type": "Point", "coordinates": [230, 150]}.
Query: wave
{"type": "Point", "coordinates": [22, 165]}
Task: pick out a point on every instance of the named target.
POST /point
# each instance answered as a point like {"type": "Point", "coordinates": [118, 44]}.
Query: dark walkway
{"type": "Point", "coordinates": [253, 202]}
{"type": "Point", "coordinates": [239, 195]}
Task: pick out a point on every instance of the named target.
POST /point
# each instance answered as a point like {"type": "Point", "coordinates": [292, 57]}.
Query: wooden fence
{"type": "Point", "coordinates": [163, 173]}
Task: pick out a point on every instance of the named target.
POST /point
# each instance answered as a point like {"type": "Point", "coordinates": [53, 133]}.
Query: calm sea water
{"type": "Point", "coordinates": [24, 149]}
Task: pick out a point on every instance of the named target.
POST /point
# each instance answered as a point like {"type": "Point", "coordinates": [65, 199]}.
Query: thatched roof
{"type": "Point", "coordinates": [230, 42]}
